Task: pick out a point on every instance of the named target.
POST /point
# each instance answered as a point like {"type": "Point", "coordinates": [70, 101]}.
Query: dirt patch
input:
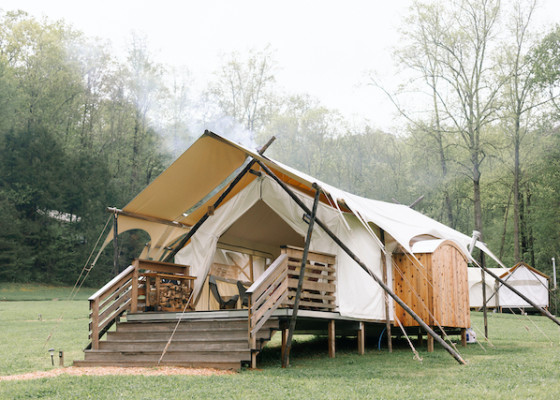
{"type": "Point", "coordinates": [100, 371]}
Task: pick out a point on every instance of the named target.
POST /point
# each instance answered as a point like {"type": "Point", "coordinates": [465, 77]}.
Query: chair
{"type": "Point", "coordinates": [243, 294]}
{"type": "Point", "coordinates": [224, 305]}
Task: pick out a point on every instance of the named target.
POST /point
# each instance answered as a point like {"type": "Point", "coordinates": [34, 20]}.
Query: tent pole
{"type": "Point", "coordinates": [115, 244]}
{"type": "Point", "coordinates": [147, 218]}
{"type": "Point", "coordinates": [387, 314]}
{"type": "Point", "coordinates": [195, 227]}
{"type": "Point", "coordinates": [288, 347]}
{"type": "Point", "coordinates": [364, 267]}
{"type": "Point", "coordinates": [201, 221]}
{"type": "Point", "coordinates": [544, 312]}
{"type": "Point", "coordinates": [484, 308]}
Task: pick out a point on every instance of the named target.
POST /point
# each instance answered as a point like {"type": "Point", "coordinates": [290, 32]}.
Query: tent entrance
{"type": "Point", "coordinates": [244, 251]}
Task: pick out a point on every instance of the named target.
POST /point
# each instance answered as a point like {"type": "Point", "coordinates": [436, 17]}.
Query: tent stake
{"type": "Point", "coordinates": [286, 353]}
{"type": "Point", "coordinates": [335, 238]}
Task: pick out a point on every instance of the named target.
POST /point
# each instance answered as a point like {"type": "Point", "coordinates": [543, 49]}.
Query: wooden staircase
{"type": "Point", "coordinates": [217, 343]}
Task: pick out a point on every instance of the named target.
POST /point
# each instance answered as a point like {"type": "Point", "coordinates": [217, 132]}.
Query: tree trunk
{"type": "Point", "coordinates": [516, 196]}
{"type": "Point", "coordinates": [476, 194]}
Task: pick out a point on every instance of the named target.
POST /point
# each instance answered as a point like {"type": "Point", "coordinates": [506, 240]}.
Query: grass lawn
{"type": "Point", "coordinates": [524, 364]}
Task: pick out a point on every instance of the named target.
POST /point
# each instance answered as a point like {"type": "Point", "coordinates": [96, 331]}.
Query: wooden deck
{"type": "Point", "coordinates": [207, 338]}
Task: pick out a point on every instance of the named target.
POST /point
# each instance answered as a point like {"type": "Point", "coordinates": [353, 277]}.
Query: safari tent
{"type": "Point", "coordinates": [527, 280]}
{"type": "Point", "coordinates": [230, 233]}
{"type": "Point", "coordinates": [475, 287]}
{"type": "Point", "coordinates": [524, 278]}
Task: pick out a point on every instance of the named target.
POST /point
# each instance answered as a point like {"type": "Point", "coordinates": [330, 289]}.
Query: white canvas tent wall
{"type": "Point", "coordinates": [529, 282]}
{"type": "Point", "coordinates": [475, 287]}
{"type": "Point", "coordinates": [355, 296]}
{"type": "Point", "coordinates": [196, 179]}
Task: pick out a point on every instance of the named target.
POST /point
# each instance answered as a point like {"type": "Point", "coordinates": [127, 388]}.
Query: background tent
{"type": "Point", "coordinates": [527, 280]}
{"type": "Point", "coordinates": [475, 287]}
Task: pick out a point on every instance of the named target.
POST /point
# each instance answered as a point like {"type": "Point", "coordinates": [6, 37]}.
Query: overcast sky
{"type": "Point", "coordinates": [323, 47]}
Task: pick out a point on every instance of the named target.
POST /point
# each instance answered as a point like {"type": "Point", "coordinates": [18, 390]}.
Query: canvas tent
{"type": "Point", "coordinates": [475, 287]}
{"type": "Point", "coordinates": [182, 194]}
{"type": "Point", "coordinates": [527, 280]}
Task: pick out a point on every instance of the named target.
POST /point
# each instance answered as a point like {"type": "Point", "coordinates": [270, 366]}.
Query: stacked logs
{"type": "Point", "coordinates": [174, 297]}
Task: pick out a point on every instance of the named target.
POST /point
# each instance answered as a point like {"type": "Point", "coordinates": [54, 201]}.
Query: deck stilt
{"type": "Point", "coordinates": [332, 336]}
{"type": "Point", "coordinates": [464, 337]}
{"type": "Point", "coordinates": [361, 339]}
{"type": "Point", "coordinates": [430, 344]}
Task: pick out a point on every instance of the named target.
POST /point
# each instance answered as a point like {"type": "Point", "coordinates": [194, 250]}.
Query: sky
{"type": "Point", "coordinates": [324, 48]}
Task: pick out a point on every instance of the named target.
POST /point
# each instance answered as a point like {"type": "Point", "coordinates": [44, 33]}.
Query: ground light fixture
{"type": "Point", "coordinates": [51, 351]}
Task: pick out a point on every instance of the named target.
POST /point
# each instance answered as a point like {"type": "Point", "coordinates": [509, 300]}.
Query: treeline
{"type": "Point", "coordinates": [81, 129]}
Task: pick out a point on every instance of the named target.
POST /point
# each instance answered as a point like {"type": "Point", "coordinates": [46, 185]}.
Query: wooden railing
{"type": "Point", "coordinates": [109, 302]}
{"type": "Point", "coordinates": [278, 285]}
{"type": "Point", "coordinates": [319, 286]}
{"type": "Point", "coordinates": [121, 293]}
{"type": "Point", "coordinates": [266, 295]}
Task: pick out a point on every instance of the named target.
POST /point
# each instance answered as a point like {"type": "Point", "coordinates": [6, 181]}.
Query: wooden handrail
{"type": "Point", "coordinates": [121, 293]}
{"type": "Point", "coordinates": [265, 295]}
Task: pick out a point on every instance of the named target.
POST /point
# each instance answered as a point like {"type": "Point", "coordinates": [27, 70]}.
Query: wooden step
{"type": "Point", "coordinates": [218, 343]}
{"type": "Point", "coordinates": [190, 325]}
{"type": "Point", "coordinates": [175, 345]}
{"type": "Point", "coordinates": [183, 363]}
{"type": "Point", "coordinates": [170, 356]}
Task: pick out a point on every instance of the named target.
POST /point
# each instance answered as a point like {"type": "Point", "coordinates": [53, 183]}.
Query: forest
{"type": "Point", "coordinates": [82, 128]}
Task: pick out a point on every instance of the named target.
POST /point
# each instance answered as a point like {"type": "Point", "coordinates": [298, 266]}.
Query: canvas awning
{"type": "Point", "coordinates": [184, 190]}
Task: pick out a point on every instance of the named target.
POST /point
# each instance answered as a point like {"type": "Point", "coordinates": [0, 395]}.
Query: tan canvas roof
{"type": "Point", "coordinates": [198, 175]}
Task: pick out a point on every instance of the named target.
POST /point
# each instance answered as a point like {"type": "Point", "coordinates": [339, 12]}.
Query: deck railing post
{"type": "Point", "coordinates": [94, 306]}
{"type": "Point", "coordinates": [134, 288]}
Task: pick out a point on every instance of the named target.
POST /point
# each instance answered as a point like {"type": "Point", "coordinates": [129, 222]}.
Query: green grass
{"type": "Point", "coordinates": [36, 292]}
{"type": "Point", "coordinates": [524, 364]}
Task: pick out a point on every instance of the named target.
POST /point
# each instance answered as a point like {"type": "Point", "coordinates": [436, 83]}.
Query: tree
{"type": "Point", "coordinates": [243, 89]}
{"type": "Point", "coordinates": [520, 100]}
{"type": "Point", "coordinates": [452, 42]}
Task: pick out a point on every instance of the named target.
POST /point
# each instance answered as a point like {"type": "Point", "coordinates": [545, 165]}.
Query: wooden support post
{"type": "Point", "coordinates": [351, 254]}
{"type": "Point", "coordinates": [286, 354]}
{"type": "Point", "coordinates": [157, 304]}
{"type": "Point", "coordinates": [284, 341]}
{"type": "Point", "coordinates": [464, 337]}
{"type": "Point", "coordinates": [94, 305]}
{"type": "Point", "coordinates": [386, 296]}
{"type": "Point", "coordinates": [420, 337]}
{"type": "Point", "coordinates": [332, 337]}
{"type": "Point", "coordinates": [361, 338]}
{"type": "Point", "coordinates": [134, 288]}
{"type": "Point", "coordinates": [430, 344]}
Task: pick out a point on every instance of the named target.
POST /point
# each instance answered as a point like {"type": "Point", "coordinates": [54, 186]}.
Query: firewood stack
{"type": "Point", "coordinates": [173, 297]}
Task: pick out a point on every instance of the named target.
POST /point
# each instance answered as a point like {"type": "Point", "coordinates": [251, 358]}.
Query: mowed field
{"type": "Point", "coordinates": [524, 362]}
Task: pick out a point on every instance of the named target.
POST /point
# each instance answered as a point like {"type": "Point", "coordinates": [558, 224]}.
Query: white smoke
{"type": "Point", "coordinates": [229, 128]}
